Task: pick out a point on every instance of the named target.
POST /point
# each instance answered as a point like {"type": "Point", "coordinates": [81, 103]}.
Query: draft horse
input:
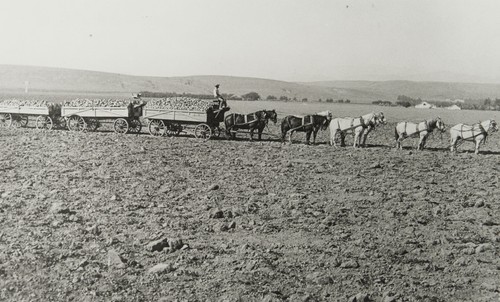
{"type": "Point", "coordinates": [359, 126]}
{"type": "Point", "coordinates": [310, 124]}
{"type": "Point", "coordinates": [476, 133]}
{"type": "Point", "coordinates": [257, 120]}
{"type": "Point", "coordinates": [379, 119]}
{"type": "Point", "coordinates": [422, 130]}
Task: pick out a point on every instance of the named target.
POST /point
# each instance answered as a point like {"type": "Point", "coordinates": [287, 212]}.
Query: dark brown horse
{"type": "Point", "coordinates": [308, 124]}
{"type": "Point", "coordinates": [257, 120]}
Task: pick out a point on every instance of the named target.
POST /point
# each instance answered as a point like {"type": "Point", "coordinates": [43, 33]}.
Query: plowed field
{"type": "Point", "coordinates": [106, 217]}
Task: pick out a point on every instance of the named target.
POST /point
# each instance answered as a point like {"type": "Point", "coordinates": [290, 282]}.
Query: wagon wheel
{"type": "Point", "coordinates": [92, 124]}
{"type": "Point", "coordinates": [5, 120]}
{"type": "Point", "coordinates": [44, 122]}
{"type": "Point", "coordinates": [76, 123]}
{"type": "Point", "coordinates": [135, 126]}
{"type": "Point", "coordinates": [216, 131]}
{"type": "Point", "coordinates": [60, 122]}
{"type": "Point", "coordinates": [172, 130]}
{"type": "Point", "coordinates": [202, 131]}
{"type": "Point", "coordinates": [120, 125]}
{"type": "Point", "coordinates": [20, 121]}
{"type": "Point", "coordinates": [156, 127]}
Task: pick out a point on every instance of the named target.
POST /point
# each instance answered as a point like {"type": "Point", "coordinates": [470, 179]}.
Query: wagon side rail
{"type": "Point", "coordinates": [181, 116]}
{"type": "Point", "coordinates": [96, 112]}
{"type": "Point", "coordinates": [24, 110]}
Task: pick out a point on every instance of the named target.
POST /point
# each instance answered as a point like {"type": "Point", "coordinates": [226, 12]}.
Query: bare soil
{"type": "Point", "coordinates": [105, 217]}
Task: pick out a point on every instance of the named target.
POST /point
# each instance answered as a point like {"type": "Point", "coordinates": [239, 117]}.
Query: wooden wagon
{"type": "Point", "coordinates": [124, 119]}
{"type": "Point", "coordinates": [170, 122]}
{"type": "Point", "coordinates": [18, 116]}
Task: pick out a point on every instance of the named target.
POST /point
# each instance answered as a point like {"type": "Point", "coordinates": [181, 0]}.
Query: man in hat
{"type": "Point", "coordinates": [221, 102]}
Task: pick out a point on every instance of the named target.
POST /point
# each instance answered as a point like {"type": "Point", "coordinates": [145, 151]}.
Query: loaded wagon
{"type": "Point", "coordinates": [18, 113]}
{"type": "Point", "coordinates": [203, 124]}
{"type": "Point", "coordinates": [125, 118]}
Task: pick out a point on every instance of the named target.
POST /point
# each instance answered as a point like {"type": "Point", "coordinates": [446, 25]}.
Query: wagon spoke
{"type": "Point", "coordinates": [44, 122]}
{"type": "Point", "coordinates": [203, 131]}
{"type": "Point", "coordinates": [156, 128]}
{"type": "Point", "coordinates": [5, 120]}
{"type": "Point", "coordinates": [135, 126]}
{"type": "Point", "coordinates": [121, 126]}
{"type": "Point", "coordinates": [76, 123]}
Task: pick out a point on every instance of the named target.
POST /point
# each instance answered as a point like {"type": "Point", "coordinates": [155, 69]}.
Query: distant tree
{"type": "Point", "coordinates": [284, 98]}
{"type": "Point", "coordinates": [320, 100]}
{"type": "Point", "coordinates": [404, 103]}
{"type": "Point", "coordinates": [340, 101]}
{"type": "Point", "coordinates": [329, 100]}
{"type": "Point", "coordinates": [271, 98]}
{"type": "Point", "coordinates": [304, 100]}
{"type": "Point", "coordinates": [251, 96]}
{"type": "Point", "coordinates": [348, 101]}
{"type": "Point", "coordinates": [294, 99]}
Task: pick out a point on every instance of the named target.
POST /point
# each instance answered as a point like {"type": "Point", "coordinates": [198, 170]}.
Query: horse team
{"type": "Point", "coordinates": [360, 127]}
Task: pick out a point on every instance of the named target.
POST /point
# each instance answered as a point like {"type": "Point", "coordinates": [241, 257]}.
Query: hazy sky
{"type": "Point", "coordinates": [297, 40]}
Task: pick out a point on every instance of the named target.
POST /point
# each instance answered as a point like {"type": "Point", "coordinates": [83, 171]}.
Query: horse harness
{"type": "Point", "coordinates": [361, 124]}
{"type": "Point", "coordinates": [427, 128]}
{"type": "Point", "coordinates": [311, 117]}
{"type": "Point", "coordinates": [247, 120]}
{"type": "Point", "coordinates": [481, 131]}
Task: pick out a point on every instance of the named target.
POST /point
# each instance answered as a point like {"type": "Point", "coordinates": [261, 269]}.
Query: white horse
{"type": "Point", "coordinates": [423, 130]}
{"type": "Point", "coordinates": [379, 120]}
{"type": "Point", "coordinates": [476, 133]}
{"type": "Point", "coordinates": [356, 125]}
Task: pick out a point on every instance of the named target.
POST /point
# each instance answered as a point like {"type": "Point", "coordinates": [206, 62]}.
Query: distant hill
{"type": "Point", "coordinates": [13, 79]}
{"type": "Point", "coordinates": [389, 90]}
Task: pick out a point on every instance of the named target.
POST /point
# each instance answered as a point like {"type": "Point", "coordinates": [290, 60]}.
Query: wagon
{"type": "Point", "coordinates": [170, 122]}
{"type": "Point", "coordinates": [18, 116]}
{"type": "Point", "coordinates": [124, 119]}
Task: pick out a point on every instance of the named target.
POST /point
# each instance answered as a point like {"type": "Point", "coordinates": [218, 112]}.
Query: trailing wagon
{"type": "Point", "coordinates": [125, 118]}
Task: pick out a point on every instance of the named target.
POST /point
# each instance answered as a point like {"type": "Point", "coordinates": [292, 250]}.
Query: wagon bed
{"type": "Point", "coordinates": [124, 119]}
{"type": "Point", "coordinates": [171, 122]}
{"type": "Point", "coordinates": [18, 116]}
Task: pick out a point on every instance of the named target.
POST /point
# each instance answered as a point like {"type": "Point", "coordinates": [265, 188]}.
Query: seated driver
{"type": "Point", "coordinates": [219, 101]}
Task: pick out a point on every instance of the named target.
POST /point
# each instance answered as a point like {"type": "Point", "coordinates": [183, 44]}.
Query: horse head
{"type": "Point", "coordinates": [440, 124]}
{"type": "Point", "coordinates": [380, 118]}
{"type": "Point", "coordinates": [493, 126]}
{"type": "Point", "coordinates": [324, 121]}
{"type": "Point", "coordinates": [272, 115]}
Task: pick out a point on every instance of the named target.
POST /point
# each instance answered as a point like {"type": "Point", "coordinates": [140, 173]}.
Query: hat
{"type": "Point", "coordinates": [217, 85]}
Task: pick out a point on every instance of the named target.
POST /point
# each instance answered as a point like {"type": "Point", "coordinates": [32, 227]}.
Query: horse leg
{"type": "Point", "coordinates": [315, 132]}
{"type": "Point", "coordinates": [233, 133]}
{"type": "Point", "coordinates": [308, 137]}
{"type": "Point", "coordinates": [398, 142]}
{"type": "Point", "coordinates": [251, 134]}
{"type": "Point", "coordinates": [283, 135]}
{"type": "Point", "coordinates": [260, 133]}
{"type": "Point", "coordinates": [363, 138]}
{"type": "Point", "coordinates": [342, 139]}
{"type": "Point", "coordinates": [478, 142]}
{"type": "Point", "coordinates": [422, 142]}
{"type": "Point", "coordinates": [290, 137]}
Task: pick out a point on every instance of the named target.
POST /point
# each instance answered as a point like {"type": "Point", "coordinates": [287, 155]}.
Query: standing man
{"type": "Point", "coordinates": [218, 97]}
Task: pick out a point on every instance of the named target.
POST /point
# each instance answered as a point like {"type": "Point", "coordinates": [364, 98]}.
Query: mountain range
{"type": "Point", "coordinates": [15, 79]}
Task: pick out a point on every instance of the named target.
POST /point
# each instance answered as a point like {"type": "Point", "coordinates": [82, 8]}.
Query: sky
{"type": "Point", "coordinates": [291, 40]}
